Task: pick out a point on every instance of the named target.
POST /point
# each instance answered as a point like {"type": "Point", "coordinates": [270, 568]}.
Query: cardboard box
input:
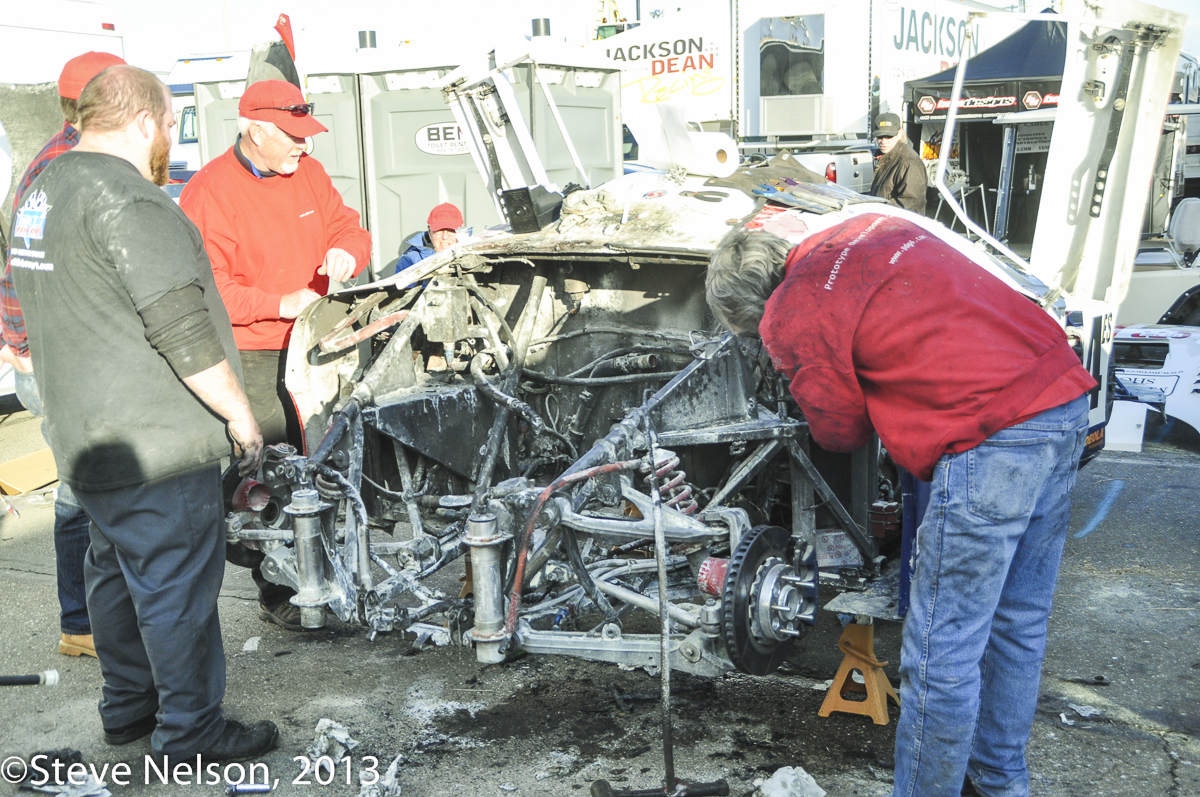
{"type": "Point", "coordinates": [28, 473]}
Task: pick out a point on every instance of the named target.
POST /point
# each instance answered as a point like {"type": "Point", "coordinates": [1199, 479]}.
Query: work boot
{"type": "Point", "coordinates": [77, 645]}
{"type": "Point", "coordinates": [284, 614]}
{"type": "Point", "coordinates": [124, 734]}
{"type": "Point", "coordinates": [239, 743]}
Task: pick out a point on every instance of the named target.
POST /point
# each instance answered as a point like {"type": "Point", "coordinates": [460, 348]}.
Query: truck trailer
{"type": "Point", "coordinates": [806, 75]}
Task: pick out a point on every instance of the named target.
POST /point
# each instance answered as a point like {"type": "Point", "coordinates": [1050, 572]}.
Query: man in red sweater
{"type": "Point", "coordinates": [881, 326]}
{"type": "Point", "coordinates": [277, 232]}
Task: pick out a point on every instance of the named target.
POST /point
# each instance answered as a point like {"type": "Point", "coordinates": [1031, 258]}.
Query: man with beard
{"type": "Point", "coordinates": [70, 521]}
{"type": "Point", "coordinates": [135, 359]}
{"type": "Point", "coordinates": [900, 173]}
{"type": "Point", "coordinates": [278, 233]}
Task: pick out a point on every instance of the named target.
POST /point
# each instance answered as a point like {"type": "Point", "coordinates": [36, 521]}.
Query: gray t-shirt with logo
{"type": "Point", "coordinates": [94, 245]}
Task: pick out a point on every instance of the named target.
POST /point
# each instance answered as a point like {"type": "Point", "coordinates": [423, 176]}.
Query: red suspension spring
{"type": "Point", "coordinates": [675, 493]}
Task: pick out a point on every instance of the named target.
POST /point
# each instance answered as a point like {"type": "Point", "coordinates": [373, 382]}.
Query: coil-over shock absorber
{"type": "Point", "coordinates": [675, 492]}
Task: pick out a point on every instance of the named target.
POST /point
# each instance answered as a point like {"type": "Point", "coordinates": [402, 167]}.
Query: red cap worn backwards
{"type": "Point", "coordinates": [281, 103]}
{"type": "Point", "coordinates": [81, 69]}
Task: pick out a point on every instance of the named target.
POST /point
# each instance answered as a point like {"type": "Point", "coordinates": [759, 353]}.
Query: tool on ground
{"type": "Point", "coordinates": [602, 788]}
{"type": "Point", "coordinates": [47, 678]}
{"type": "Point", "coordinates": [858, 643]}
{"type": "Point", "coordinates": [672, 786]}
{"type": "Point", "coordinates": [706, 196]}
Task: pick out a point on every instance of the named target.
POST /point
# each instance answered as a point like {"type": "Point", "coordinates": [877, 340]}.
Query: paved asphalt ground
{"type": "Point", "coordinates": [1123, 641]}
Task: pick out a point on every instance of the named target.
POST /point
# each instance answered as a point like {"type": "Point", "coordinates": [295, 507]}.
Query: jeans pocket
{"type": "Point", "coordinates": [1005, 476]}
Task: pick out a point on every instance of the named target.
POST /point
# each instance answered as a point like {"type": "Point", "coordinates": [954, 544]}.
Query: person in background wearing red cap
{"type": "Point", "coordinates": [277, 232]}
{"type": "Point", "coordinates": [444, 221]}
{"type": "Point", "coordinates": [70, 521]}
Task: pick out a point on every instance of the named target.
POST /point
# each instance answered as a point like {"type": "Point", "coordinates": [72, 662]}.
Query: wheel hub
{"type": "Point", "coordinates": [770, 599]}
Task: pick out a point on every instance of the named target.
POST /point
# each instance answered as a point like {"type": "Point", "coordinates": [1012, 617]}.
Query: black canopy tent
{"type": "Point", "coordinates": [1021, 73]}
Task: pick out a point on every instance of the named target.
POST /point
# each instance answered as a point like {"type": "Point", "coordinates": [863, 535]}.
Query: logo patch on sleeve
{"type": "Point", "coordinates": [31, 218]}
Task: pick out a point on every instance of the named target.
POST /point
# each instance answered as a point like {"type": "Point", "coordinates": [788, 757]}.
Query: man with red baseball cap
{"type": "Point", "coordinates": [277, 232]}
{"type": "Point", "coordinates": [70, 521]}
{"type": "Point", "coordinates": [442, 233]}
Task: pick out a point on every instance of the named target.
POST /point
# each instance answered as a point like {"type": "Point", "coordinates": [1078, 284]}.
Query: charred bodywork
{"type": "Point", "coordinates": [559, 406]}
{"type": "Point", "coordinates": [547, 404]}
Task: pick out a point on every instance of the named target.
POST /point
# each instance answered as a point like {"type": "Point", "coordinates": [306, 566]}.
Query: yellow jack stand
{"type": "Point", "coordinates": [468, 580]}
{"type": "Point", "coordinates": [858, 643]}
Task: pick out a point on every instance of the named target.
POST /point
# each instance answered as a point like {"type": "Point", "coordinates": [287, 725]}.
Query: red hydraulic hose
{"type": "Point", "coordinates": [570, 478]}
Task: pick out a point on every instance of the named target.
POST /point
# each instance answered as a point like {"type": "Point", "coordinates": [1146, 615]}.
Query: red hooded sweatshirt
{"type": "Point", "coordinates": [880, 324]}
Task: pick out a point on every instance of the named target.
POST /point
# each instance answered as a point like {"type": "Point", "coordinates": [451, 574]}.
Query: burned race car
{"type": "Point", "coordinates": [559, 405]}
{"type": "Point", "coordinates": [549, 402]}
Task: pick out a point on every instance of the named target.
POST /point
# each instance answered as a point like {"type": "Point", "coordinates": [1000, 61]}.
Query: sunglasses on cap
{"type": "Point", "coordinates": [295, 110]}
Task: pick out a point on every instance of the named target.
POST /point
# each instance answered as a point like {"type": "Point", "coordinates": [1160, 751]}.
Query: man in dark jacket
{"type": "Point", "coordinates": [900, 173]}
{"type": "Point", "coordinates": [881, 326]}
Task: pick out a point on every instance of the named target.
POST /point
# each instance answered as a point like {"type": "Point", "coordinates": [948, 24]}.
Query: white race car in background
{"type": "Point", "coordinates": [1160, 366]}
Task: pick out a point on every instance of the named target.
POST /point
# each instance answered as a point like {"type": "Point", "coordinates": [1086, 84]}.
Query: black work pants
{"type": "Point", "coordinates": [262, 374]}
{"type": "Point", "coordinates": [153, 573]}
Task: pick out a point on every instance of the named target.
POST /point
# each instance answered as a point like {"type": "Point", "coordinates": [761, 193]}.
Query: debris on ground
{"type": "Point", "coordinates": [386, 786]}
{"type": "Point", "coordinates": [1085, 711]}
{"type": "Point", "coordinates": [1063, 716]}
{"type": "Point", "coordinates": [333, 741]}
{"type": "Point", "coordinates": [881, 775]}
{"type": "Point", "coordinates": [426, 632]}
{"type": "Point", "coordinates": [789, 782]}
{"type": "Point", "coordinates": [60, 762]}
{"type": "Point", "coordinates": [251, 645]}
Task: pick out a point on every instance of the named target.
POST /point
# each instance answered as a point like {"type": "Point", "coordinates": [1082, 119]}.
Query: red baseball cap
{"type": "Point", "coordinates": [445, 217]}
{"type": "Point", "coordinates": [281, 103]}
{"type": "Point", "coordinates": [81, 69]}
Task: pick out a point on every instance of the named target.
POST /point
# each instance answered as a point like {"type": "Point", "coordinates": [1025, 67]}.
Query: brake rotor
{"type": "Point", "coordinates": [769, 600]}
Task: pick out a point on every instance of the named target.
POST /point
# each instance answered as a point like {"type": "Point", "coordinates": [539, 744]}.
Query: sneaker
{"type": "Point", "coordinates": [124, 734]}
{"type": "Point", "coordinates": [239, 742]}
{"type": "Point", "coordinates": [77, 645]}
{"type": "Point", "coordinates": [284, 614]}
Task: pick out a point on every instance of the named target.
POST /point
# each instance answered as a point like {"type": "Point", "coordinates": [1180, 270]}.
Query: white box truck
{"type": "Point", "coordinates": [806, 75]}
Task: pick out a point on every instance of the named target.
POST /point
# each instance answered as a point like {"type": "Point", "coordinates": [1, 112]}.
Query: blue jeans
{"type": "Point", "coordinates": [987, 555]}
{"type": "Point", "coordinates": [70, 532]}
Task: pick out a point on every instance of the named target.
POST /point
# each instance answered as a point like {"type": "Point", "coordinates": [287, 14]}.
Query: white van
{"type": "Point", "coordinates": [187, 72]}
